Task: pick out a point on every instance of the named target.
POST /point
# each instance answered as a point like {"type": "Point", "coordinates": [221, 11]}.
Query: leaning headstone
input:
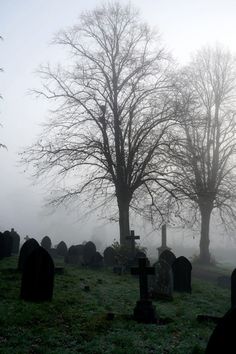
{"type": "Point", "coordinates": [89, 252]}
{"type": "Point", "coordinates": [144, 311]}
{"type": "Point", "coordinates": [38, 276]}
{"type": "Point", "coordinates": [233, 288]}
{"type": "Point", "coordinates": [15, 241]}
{"type": "Point", "coordinates": [222, 339]}
{"type": "Point", "coordinates": [182, 269]}
{"type": "Point", "coordinates": [29, 246]}
{"type": "Point", "coordinates": [62, 249]}
{"type": "Point", "coordinates": [167, 256]}
{"type": "Point", "coordinates": [161, 284]}
{"type": "Point", "coordinates": [110, 257]}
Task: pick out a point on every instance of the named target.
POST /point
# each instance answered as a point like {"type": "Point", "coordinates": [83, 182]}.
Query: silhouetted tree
{"type": "Point", "coordinates": [107, 136]}
{"type": "Point", "coordinates": [46, 243]}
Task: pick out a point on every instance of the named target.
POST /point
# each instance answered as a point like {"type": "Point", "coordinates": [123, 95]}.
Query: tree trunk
{"type": "Point", "coordinates": [205, 257]}
{"type": "Point", "coordinates": [123, 206]}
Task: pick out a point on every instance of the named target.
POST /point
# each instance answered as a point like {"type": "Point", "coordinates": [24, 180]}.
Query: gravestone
{"type": "Point", "coordinates": [75, 255]}
{"type": "Point", "coordinates": [15, 241]}
{"type": "Point", "coordinates": [144, 311]}
{"type": "Point", "coordinates": [62, 249]}
{"type": "Point", "coordinates": [139, 254]}
{"type": "Point", "coordinates": [89, 252]}
{"type": "Point", "coordinates": [222, 339]}
{"type": "Point", "coordinates": [167, 256]}
{"type": "Point", "coordinates": [182, 274]}
{"type": "Point", "coordinates": [161, 284]}
{"type": "Point", "coordinates": [132, 237]}
{"type": "Point", "coordinates": [110, 257]}
{"type": "Point", "coordinates": [46, 243]}
{"type": "Point", "coordinates": [29, 246]}
{"type": "Point", "coordinates": [163, 246]}
{"type": "Point", "coordinates": [233, 288]}
{"type": "Point", "coordinates": [37, 276]}
{"type": "Point", "coordinates": [97, 261]}
{"type": "Point", "coordinates": [8, 243]}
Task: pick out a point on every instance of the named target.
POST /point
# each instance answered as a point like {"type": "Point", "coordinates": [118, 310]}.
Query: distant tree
{"type": "Point", "coordinates": [204, 158]}
{"type": "Point", "coordinates": [46, 243]}
{"type": "Point", "coordinates": [107, 136]}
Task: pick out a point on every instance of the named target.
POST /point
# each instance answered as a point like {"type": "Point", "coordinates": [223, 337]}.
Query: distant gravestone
{"type": "Point", "coordinates": [233, 288]}
{"type": "Point", "coordinates": [89, 252]}
{"type": "Point", "coordinates": [8, 243]}
{"type": "Point", "coordinates": [62, 249]}
{"type": "Point", "coordinates": [15, 241]}
{"type": "Point", "coordinates": [75, 255]}
{"type": "Point", "coordinates": [29, 246]}
{"type": "Point", "coordinates": [46, 243]}
{"type": "Point", "coordinates": [182, 269]}
{"type": "Point", "coordinates": [161, 284]}
{"type": "Point", "coordinates": [37, 276]}
{"type": "Point", "coordinates": [144, 311]}
{"type": "Point", "coordinates": [97, 261]}
{"type": "Point", "coordinates": [2, 250]}
{"type": "Point", "coordinates": [168, 257]}
{"type": "Point", "coordinates": [222, 339]}
{"type": "Point", "coordinates": [110, 257]}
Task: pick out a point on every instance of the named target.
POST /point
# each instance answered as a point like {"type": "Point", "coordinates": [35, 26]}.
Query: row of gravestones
{"type": "Point", "coordinates": [9, 243]}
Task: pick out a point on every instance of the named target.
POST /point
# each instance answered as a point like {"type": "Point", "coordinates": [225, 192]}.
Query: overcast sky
{"type": "Point", "coordinates": [28, 27]}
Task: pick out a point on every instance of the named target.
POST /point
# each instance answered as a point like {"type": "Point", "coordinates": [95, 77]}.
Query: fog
{"type": "Point", "coordinates": [28, 28]}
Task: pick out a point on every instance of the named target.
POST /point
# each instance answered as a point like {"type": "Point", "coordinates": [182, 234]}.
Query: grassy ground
{"type": "Point", "coordinates": [75, 321]}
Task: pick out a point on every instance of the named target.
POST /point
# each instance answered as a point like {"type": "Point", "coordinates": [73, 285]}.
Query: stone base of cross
{"type": "Point", "coordinates": [145, 312]}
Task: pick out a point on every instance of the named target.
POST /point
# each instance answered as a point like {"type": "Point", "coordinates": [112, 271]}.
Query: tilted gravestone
{"type": "Point", "coordinates": [29, 246]}
{"type": "Point", "coordinates": [182, 269]}
{"type": "Point", "coordinates": [222, 339]}
{"type": "Point", "coordinates": [161, 284]}
{"type": "Point", "coordinates": [110, 257]}
{"type": "Point", "coordinates": [15, 241]}
{"type": "Point", "coordinates": [62, 249]}
{"type": "Point", "coordinates": [89, 252]}
{"type": "Point", "coordinates": [233, 288]}
{"type": "Point", "coordinates": [144, 311]}
{"type": "Point", "coordinates": [167, 256]}
{"type": "Point", "coordinates": [37, 276]}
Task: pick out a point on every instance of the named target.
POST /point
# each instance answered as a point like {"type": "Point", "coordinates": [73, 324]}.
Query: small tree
{"type": "Point", "coordinates": [204, 158]}
{"type": "Point", "coordinates": [108, 133]}
{"type": "Point", "coordinates": [46, 243]}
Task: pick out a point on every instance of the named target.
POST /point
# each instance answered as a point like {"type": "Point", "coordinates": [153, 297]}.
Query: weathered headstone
{"type": "Point", "coordinates": [89, 252]}
{"type": "Point", "coordinates": [110, 257]}
{"type": "Point", "coordinates": [15, 241]}
{"type": "Point", "coordinates": [182, 269]}
{"type": "Point", "coordinates": [167, 256]}
{"type": "Point", "coordinates": [62, 249]}
{"type": "Point", "coordinates": [29, 246]}
{"type": "Point", "coordinates": [132, 237]}
{"type": "Point", "coordinates": [161, 284]}
{"type": "Point", "coordinates": [222, 339]}
{"type": "Point", "coordinates": [144, 311]}
{"type": "Point", "coordinates": [233, 288]}
{"type": "Point", "coordinates": [163, 246]}
{"type": "Point", "coordinates": [37, 276]}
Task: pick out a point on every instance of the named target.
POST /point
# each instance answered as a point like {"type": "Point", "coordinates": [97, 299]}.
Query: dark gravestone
{"type": "Point", "coordinates": [2, 251]}
{"type": "Point", "coordinates": [131, 238]}
{"type": "Point", "coordinates": [161, 284]}
{"type": "Point", "coordinates": [144, 311]}
{"type": "Point", "coordinates": [38, 276]}
{"type": "Point", "coordinates": [97, 261]}
{"type": "Point", "coordinates": [75, 255]}
{"type": "Point", "coordinates": [110, 257]}
{"type": "Point", "coordinates": [46, 243]}
{"type": "Point", "coordinates": [168, 257]}
{"type": "Point", "coordinates": [62, 249]}
{"type": "Point", "coordinates": [182, 274]}
{"type": "Point", "coordinates": [8, 243]}
{"type": "Point", "coordinates": [233, 288]}
{"type": "Point", "coordinates": [29, 246]}
{"type": "Point", "coordinates": [222, 339]}
{"type": "Point", "coordinates": [89, 252]}
{"type": "Point", "coordinates": [15, 241]}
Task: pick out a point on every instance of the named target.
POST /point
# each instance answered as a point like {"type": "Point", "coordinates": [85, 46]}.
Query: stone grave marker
{"type": "Point", "coordinates": [132, 237]}
{"type": "Point", "coordinates": [8, 243]}
{"type": "Point", "coordinates": [161, 284]}
{"type": "Point", "coordinates": [163, 246]}
{"type": "Point", "coordinates": [62, 249]}
{"type": "Point", "coordinates": [233, 288]}
{"type": "Point", "coordinates": [75, 255]}
{"type": "Point", "coordinates": [15, 241]}
{"type": "Point", "coordinates": [29, 246]}
{"type": "Point", "coordinates": [110, 257]}
{"type": "Point", "coordinates": [144, 311]}
{"type": "Point", "coordinates": [167, 256]}
{"type": "Point", "coordinates": [97, 260]}
{"type": "Point", "coordinates": [37, 276]}
{"type": "Point", "coordinates": [89, 252]}
{"type": "Point", "coordinates": [182, 269]}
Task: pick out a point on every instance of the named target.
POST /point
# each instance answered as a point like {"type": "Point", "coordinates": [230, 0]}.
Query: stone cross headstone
{"type": "Point", "coordinates": [161, 284]}
{"type": "Point", "coordinates": [233, 288]}
{"type": "Point", "coordinates": [163, 246]}
{"type": "Point", "coordinates": [29, 246]}
{"type": "Point", "coordinates": [132, 239]}
{"type": "Point", "coordinates": [144, 311]}
{"type": "Point", "coordinates": [182, 269]}
{"type": "Point", "coordinates": [167, 256]}
{"type": "Point", "coordinates": [110, 257]}
{"type": "Point", "coordinates": [37, 276]}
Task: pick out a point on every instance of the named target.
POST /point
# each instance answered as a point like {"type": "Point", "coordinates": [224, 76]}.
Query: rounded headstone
{"type": "Point", "coordinates": [26, 249]}
{"type": "Point", "coordinates": [62, 249]}
{"type": "Point", "coordinates": [168, 257]}
{"type": "Point", "coordinates": [182, 269]}
{"type": "Point", "coordinates": [89, 252]}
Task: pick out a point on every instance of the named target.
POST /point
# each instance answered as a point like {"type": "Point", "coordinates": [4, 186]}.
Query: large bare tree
{"type": "Point", "coordinates": [204, 158]}
{"type": "Point", "coordinates": [108, 132]}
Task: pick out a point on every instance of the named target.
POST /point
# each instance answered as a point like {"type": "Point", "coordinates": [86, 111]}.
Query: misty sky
{"type": "Point", "coordinates": [28, 27]}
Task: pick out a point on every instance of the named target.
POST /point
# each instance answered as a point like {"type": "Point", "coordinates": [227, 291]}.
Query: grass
{"type": "Point", "coordinates": [75, 321]}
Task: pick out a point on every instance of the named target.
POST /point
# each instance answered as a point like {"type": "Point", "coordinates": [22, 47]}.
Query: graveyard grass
{"type": "Point", "coordinates": [76, 320]}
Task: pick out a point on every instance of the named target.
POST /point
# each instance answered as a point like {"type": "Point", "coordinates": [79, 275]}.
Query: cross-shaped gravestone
{"type": "Point", "coordinates": [132, 239]}
{"type": "Point", "coordinates": [163, 240]}
{"type": "Point", "coordinates": [144, 310]}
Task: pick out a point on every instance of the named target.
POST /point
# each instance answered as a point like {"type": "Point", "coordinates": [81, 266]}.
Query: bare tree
{"type": "Point", "coordinates": [108, 131]}
{"type": "Point", "coordinates": [204, 158]}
